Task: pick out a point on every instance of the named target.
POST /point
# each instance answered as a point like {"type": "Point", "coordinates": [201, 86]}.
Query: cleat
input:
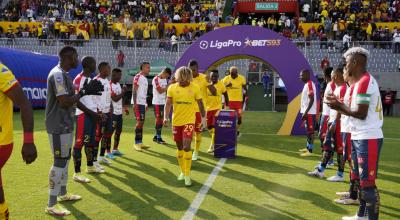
{"type": "Point", "coordinates": [155, 139]}
{"type": "Point", "coordinates": [347, 201]}
{"type": "Point", "coordinates": [195, 155]}
{"type": "Point", "coordinates": [117, 153]}
{"type": "Point", "coordinates": [355, 217]}
{"type": "Point", "coordinates": [188, 181]}
{"type": "Point", "coordinates": [330, 164]}
{"type": "Point", "coordinates": [57, 210]}
{"type": "Point", "coordinates": [80, 178]}
{"type": "Point", "coordinates": [181, 176]}
{"type": "Point", "coordinates": [210, 149]}
{"type": "Point", "coordinates": [110, 156]}
{"type": "Point", "coordinates": [303, 150]}
{"type": "Point", "coordinates": [94, 169]}
{"type": "Point", "coordinates": [68, 197]}
{"type": "Point", "coordinates": [138, 147]}
{"type": "Point", "coordinates": [145, 146]}
{"type": "Point", "coordinates": [343, 194]}
{"type": "Point", "coordinates": [161, 141]}
{"type": "Point", "coordinates": [336, 178]}
{"type": "Point", "coordinates": [316, 173]}
{"type": "Point", "coordinates": [104, 161]}
{"type": "Point", "coordinates": [306, 154]}
{"type": "Point", "coordinates": [97, 165]}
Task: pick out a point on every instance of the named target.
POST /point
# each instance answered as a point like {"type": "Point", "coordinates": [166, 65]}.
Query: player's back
{"type": "Point", "coordinates": [183, 101]}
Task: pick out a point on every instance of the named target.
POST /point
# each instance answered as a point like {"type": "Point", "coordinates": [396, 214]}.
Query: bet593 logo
{"type": "Point", "coordinates": [233, 43]}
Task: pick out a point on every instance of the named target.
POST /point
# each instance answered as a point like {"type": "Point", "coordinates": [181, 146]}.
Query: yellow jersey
{"type": "Point", "coordinates": [214, 102]}
{"type": "Point", "coordinates": [201, 82]}
{"type": "Point", "coordinates": [7, 82]}
{"type": "Point", "coordinates": [183, 101]}
{"type": "Point", "coordinates": [235, 92]}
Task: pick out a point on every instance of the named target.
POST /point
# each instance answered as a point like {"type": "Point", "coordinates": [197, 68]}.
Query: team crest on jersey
{"type": "Point", "coordinates": [59, 79]}
{"type": "Point", "coordinates": [372, 173]}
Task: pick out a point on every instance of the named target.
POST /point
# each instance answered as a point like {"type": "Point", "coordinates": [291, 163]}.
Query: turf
{"type": "Point", "coordinates": [266, 181]}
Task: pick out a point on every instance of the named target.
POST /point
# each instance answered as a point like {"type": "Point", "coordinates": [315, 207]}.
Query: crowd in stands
{"type": "Point", "coordinates": [341, 20]}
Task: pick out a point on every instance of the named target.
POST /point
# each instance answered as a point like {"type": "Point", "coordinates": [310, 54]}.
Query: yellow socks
{"type": "Point", "coordinates": [4, 211]}
{"type": "Point", "coordinates": [187, 157]}
{"type": "Point", "coordinates": [179, 157]}
{"type": "Point", "coordinates": [212, 133]}
{"type": "Point", "coordinates": [197, 141]}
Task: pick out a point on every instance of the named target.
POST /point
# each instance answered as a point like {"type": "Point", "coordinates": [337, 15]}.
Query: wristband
{"type": "Point", "coordinates": [28, 137]}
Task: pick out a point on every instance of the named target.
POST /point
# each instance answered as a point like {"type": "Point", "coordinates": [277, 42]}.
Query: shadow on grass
{"type": "Point", "coordinates": [271, 187]}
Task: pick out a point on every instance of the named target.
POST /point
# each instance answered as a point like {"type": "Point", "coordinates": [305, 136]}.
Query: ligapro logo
{"type": "Point", "coordinates": [219, 44]}
{"type": "Point", "coordinates": [247, 42]}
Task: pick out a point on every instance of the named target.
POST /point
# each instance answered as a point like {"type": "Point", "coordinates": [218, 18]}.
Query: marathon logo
{"type": "Point", "coordinates": [35, 93]}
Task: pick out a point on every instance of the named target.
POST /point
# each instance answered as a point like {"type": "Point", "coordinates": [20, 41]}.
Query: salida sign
{"type": "Point", "coordinates": [247, 42]}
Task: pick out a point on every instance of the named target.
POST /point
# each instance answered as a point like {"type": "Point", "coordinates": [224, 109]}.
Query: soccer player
{"type": "Point", "coordinates": [11, 92]}
{"type": "Point", "coordinates": [200, 80]}
{"type": "Point", "coordinates": [323, 124]}
{"type": "Point", "coordinates": [183, 96]}
{"type": "Point", "coordinates": [308, 109]}
{"type": "Point", "coordinates": [86, 120]}
{"type": "Point", "coordinates": [236, 87]}
{"type": "Point", "coordinates": [104, 128]}
{"type": "Point", "coordinates": [350, 197]}
{"type": "Point", "coordinates": [334, 132]}
{"type": "Point", "coordinates": [61, 99]}
{"type": "Point", "coordinates": [366, 122]}
{"type": "Point", "coordinates": [117, 93]}
{"type": "Point", "coordinates": [330, 87]}
{"type": "Point", "coordinates": [139, 96]}
{"type": "Point", "coordinates": [160, 86]}
{"type": "Point", "coordinates": [215, 90]}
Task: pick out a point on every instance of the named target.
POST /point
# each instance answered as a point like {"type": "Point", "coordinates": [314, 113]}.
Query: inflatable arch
{"type": "Point", "coordinates": [242, 41]}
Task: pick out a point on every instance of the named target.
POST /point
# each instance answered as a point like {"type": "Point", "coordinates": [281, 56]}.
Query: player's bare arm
{"type": "Point", "coordinates": [18, 97]}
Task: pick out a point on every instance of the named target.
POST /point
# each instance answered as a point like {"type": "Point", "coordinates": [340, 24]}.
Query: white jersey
{"type": "Point", "coordinates": [141, 94]}
{"type": "Point", "coordinates": [344, 119]}
{"type": "Point", "coordinates": [339, 93]}
{"type": "Point", "coordinates": [88, 100]}
{"type": "Point", "coordinates": [103, 101]}
{"type": "Point", "coordinates": [116, 90]}
{"type": "Point", "coordinates": [159, 98]}
{"type": "Point", "coordinates": [366, 91]}
{"type": "Point", "coordinates": [309, 90]}
{"type": "Point", "coordinates": [330, 87]}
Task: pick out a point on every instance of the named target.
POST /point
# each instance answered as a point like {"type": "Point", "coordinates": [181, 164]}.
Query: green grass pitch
{"type": "Point", "coordinates": [267, 180]}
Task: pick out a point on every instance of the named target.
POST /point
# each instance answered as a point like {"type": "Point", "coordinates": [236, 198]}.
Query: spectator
{"type": "Point", "coordinates": [346, 42]}
{"type": "Point", "coordinates": [388, 102]}
{"type": "Point", "coordinates": [138, 37]}
{"type": "Point", "coordinates": [396, 41]}
{"type": "Point", "coordinates": [325, 63]}
{"type": "Point", "coordinates": [266, 80]}
{"type": "Point", "coordinates": [121, 59]}
{"type": "Point", "coordinates": [174, 43]}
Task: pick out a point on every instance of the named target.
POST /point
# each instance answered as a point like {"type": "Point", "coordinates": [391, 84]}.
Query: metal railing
{"type": "Point", "coordinates": [385, 55]}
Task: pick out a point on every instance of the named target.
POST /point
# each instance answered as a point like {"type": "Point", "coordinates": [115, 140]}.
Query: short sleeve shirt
{"type": "Point", "coordinates": [7, 82]}
{"type": "Point", "coordinates": [59, 120]}
{"type": "Point", "coordinates": [183, 101]}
